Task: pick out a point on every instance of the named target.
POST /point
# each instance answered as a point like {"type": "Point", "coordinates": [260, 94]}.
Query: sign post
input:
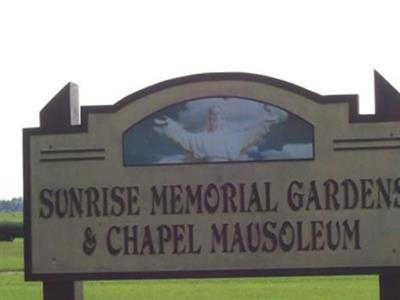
{"type": "Point", "coordinates": [62, 290]}
{"type": "Point", "coordinates": [212, 175]}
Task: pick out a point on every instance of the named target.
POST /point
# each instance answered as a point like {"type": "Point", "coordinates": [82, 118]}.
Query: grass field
{"type": "Point", "coordinates": [13, 287]}
{"type": "Point", "coordinates": [11, 217]}
{"type": "Point", "coordinates": [11, 255]}
{"type": "Point", "coordinates": [298, 288]}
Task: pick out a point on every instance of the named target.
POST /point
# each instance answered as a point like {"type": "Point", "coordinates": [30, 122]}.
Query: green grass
{"type": "Point", "coordinates": [15, 217]}
{"type": "Point", "coordinates": [11, 255]}
{"type": "Point", "coordinates": [13, 287]}
{"type": "Point", "coordinates": [310, 288]}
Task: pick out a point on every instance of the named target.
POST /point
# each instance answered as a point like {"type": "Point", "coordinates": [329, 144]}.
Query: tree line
{"type": "Point", "coordinates": [13, 205]}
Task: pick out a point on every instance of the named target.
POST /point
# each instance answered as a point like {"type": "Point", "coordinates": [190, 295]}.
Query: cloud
{"type": "Point", "coordinates": [178, 158]}
{"type": "Point", "coordinates": [289, 151]}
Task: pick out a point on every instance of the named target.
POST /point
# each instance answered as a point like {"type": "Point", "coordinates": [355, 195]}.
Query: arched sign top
{"type": "Point", "coordinates": [196, 78]}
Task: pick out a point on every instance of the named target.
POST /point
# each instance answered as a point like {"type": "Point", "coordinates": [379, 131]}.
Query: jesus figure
{"type": "Point", "coordinates": [217, 142]}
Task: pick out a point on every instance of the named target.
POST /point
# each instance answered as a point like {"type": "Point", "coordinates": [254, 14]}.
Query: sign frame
{"type": "Point", "coordinates": [61, 116]}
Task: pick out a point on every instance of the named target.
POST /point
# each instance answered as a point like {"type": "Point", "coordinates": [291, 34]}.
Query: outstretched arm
{"type": "Point", "coordinates": [187, 140]}
{"type": "Point", "coordinates": [252, 135]}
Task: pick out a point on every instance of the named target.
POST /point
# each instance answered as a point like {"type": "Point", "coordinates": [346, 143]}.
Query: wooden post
{"type": "Point", "coordinates": [62, 290]}
{"type": "Point", "coordinates": [389, 286]}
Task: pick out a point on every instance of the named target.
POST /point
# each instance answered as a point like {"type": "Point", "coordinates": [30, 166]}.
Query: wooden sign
{"type": "Point", "coordinates": [212, 175]}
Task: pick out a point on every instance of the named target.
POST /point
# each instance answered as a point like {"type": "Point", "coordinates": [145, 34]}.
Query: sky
{"type": "Point", "coordinates": [114, 48]}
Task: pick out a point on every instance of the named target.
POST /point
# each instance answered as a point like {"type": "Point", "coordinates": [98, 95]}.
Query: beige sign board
{"type": "Point", "coordinates": [213, 175]}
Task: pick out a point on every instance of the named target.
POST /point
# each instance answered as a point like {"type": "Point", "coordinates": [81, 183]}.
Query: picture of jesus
{"type": "Point", "coordinates": [218, 129]}
{"type": "Point", "coordinates": [218, 142]}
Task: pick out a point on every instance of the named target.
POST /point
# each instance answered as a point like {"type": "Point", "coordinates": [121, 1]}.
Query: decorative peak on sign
{"type": "Point", "coordinates": [387, 100]}
{"type": "Point", "coordinates": [61, 112]}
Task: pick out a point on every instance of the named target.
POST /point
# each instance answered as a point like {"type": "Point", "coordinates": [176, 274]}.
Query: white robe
{"type": "Point", "coordinates": [220, 145]}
